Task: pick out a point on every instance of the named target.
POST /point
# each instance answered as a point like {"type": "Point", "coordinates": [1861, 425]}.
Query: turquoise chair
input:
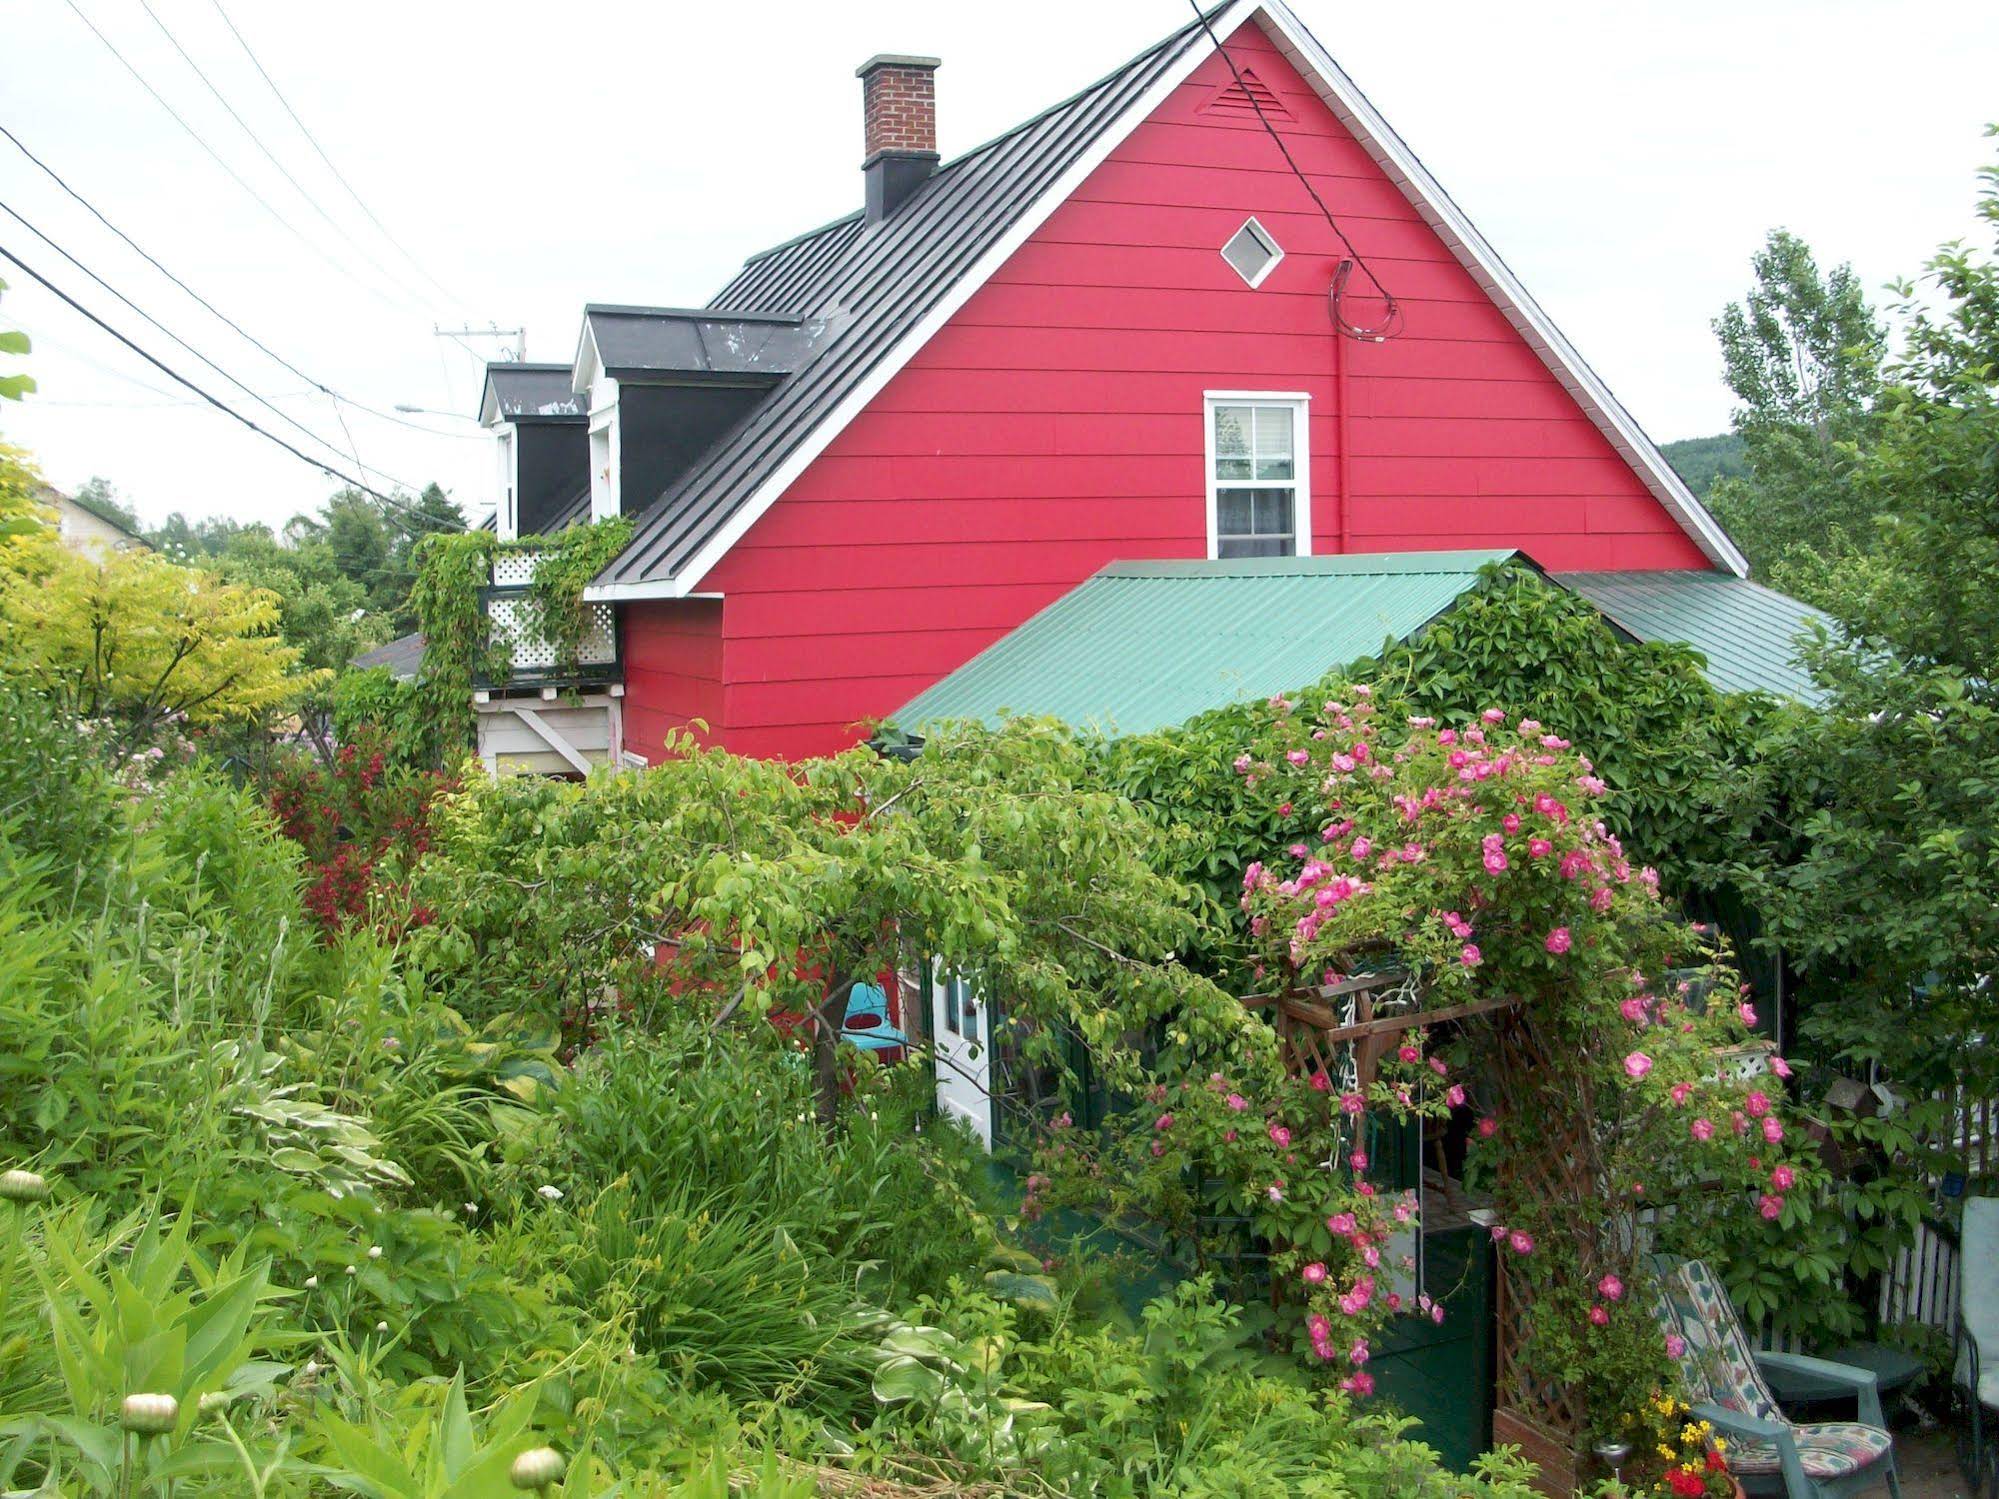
{"type": "Point", "coordinates": [1977, 1370]}
{"type": "Point", "coordinates": [1766, 1451]}
{"type": "Point", "coordinates": [865, 1025]}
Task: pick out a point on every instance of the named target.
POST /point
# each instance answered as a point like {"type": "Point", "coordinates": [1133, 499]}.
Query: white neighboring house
{"type": "Point", "coordinates": [83, 528]}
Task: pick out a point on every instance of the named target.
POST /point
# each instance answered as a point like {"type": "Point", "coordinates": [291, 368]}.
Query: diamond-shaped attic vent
{"type": "Point", "coordinates": [1252, 252]}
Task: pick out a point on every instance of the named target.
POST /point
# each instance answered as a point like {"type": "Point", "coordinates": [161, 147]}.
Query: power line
{"type": "Point", "coordinates": [254, 395]}
{"type": "Point", "coordinates": [178, 378]}
{"type": "Point", "coordinates": [313, 140]}
{"type": "Point", "coordinates": [242, 332]}
{"type": "Point", "coordinates": [1393, 323]}
{"type": "Point", "coordinates": [269, 155]}
{"type": "Point", "coordinates": [216, 157]}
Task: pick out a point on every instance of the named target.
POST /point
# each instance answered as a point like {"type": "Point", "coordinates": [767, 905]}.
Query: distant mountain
{"type": "Point", "coordinates": [1702, 460]}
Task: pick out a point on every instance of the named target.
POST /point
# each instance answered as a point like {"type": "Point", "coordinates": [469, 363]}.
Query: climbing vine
{"type": "Point", "coordinates": [567, 563]}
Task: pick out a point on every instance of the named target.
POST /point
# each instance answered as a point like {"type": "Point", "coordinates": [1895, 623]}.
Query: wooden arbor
{"type": "Point", "coordinates": [1344, 1029]}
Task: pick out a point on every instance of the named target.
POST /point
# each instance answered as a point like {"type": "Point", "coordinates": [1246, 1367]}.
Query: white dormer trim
{"type": "Point", "coordinates": [507, 489]}
{"type": "Point", "coordinates": [589, 364]}
{"type": "Point", "coordinates": [607, 455]}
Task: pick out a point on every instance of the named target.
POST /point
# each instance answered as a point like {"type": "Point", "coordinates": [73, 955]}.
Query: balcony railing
{"type": "Point", "coordinates": [531, 659]}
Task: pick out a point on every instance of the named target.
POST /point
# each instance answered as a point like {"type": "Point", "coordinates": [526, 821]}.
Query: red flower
{"type": "Point", "coordinates": [1680, 1481]}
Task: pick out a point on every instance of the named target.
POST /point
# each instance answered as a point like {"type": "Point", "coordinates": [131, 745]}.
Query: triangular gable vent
{"type": "Point", "coordinates": [1245, 98]}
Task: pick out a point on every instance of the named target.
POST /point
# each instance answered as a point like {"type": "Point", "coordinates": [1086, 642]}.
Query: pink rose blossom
{"type": "Point", "coordinates": [1280, 1136]}
{"type": "Point", "coordinates": [1408, 1055]}
{"type": "Point", "coordinates": [1783, 1178]}
{"type": "Point", "coordinates": [1237, 1102]}
{"type": "Point", "coordinates": [1314, 1274]}
{"type": "Point", "coordinates": [1748, 1013]}
{"type": "Point", "coordinates": [1469, 955]}
{"type": "Point", "coordinates": [1772, 1130]}
{"type": "Point", "coordinates": [1770, 1205]}
{"type": "Point", "coordinates": [1321, 1083]}
{"type": "Point", "coordinates": [1599, 1315]}
{"type": "Point", "coordinates": [1488, 1127]}
{"type": "Point", "coordinates": [1520, 1241]}
{"type": "Point", "coordinates": [1610, 1288]}
{"type": "Point", "coordinates": [1539, 848]}
{"type": "Point", "coordinates": [1637, 1065]}
{"type": "Point", "coordinates": [1702, 1129]}
{"type": "Point", "coordinates": [1676, 1346]}
{"type": "Point", "coordinates": [1455, 1096]}
{"type": "Point", "coordinates": [1164, 1121]}
{"type": "Point", "coordinates": [1352, 1103]}
{"type": "Point", "coordinates": [1558, 941]}
{"type": "Point", "coordinates": [1681, 1092]}
{"type": "Point", "coordinates": [1358, 1383]}
{"type": "Point", "coordinates": [1756, 1105]}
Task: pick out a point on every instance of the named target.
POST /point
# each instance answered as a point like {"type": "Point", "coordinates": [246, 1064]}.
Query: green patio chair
{"type": "Point", "coordinates": [1977, 1369]}
{"type": "Point", "coordinates": [1766, 1451]}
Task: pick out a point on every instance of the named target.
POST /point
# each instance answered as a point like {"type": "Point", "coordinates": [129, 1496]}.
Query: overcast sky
{"type": "Point", "coordinates": [1625, 159]}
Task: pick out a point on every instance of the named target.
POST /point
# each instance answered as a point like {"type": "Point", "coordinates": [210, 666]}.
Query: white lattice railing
{"type": "Point", "coordinates": [528, 653]}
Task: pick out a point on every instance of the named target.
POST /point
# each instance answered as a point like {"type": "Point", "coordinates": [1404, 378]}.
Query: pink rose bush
{"type": "Point", "coordinates": [1517, 889]}
{"type": "Point", "coordinates": [1477, 856]}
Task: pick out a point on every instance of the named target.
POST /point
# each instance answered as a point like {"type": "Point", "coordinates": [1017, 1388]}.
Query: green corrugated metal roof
{"type": "Point", "coordinates": [1144, 644]}
{"type": "Point", "coordinates": [1748, 633]}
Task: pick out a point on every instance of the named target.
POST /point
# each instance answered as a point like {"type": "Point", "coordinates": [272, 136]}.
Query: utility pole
{"type": "Point", "coordinates": [516, 354]}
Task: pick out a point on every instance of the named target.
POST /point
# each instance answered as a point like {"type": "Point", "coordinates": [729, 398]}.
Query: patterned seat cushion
{"type": "Point", "coordinates": [1717, 1363]}
{"type": "Point", "coordinates": [1832, 1450]}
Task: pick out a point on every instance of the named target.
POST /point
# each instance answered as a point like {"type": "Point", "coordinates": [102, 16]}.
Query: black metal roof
{"type": "Point", "coordinates": [515, 390]}
{"type": "Point", "coordinates": [698, 341]}
{"type": "Point", "coordinates": [867, 284]}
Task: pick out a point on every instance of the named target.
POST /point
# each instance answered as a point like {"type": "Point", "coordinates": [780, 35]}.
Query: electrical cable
{"type": "Point", "coordinates": [216, 157]}
{"type": "Point", "coordinates": [1392, 325]}
{"type": "Point", "coordinates": [271, 156]}
{"type": "Point", "coordinates": [313, 140]}
{"type": "Point", "coordinates": [283, 416]}
{"type": "Point", "coordinates": [180, 379]}
{"type": "Point", "coordinates": [217, 312]}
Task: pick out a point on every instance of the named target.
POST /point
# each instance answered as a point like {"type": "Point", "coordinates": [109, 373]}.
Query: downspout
{"type": "Point", "coordinates": [1340, 431]}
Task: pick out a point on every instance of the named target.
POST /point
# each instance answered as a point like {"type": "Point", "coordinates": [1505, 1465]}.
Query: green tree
{"type": "Point", "coordinates": [99, 497]}
{"type": "Point", "coordinates": [1890, 901]}
{"type": "Point", "coordinates": [1802, 352]}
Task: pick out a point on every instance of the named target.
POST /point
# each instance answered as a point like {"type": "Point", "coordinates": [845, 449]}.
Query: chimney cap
{"type": "Point", "coordinates": [897, 60]}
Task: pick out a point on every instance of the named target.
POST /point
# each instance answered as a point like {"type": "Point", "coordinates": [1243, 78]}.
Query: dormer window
{"type": "Point", "coordinates": [606, 456]}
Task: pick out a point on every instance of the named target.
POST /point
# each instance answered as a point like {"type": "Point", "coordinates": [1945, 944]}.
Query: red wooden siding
{"type": "Point", "coordinates": [673, 670]}
{"type": "Point", "coordinates": [1055, 424]}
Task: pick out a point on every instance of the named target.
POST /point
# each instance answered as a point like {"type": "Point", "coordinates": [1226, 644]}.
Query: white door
{"type": "Point", "coordinates": [960, 1027]}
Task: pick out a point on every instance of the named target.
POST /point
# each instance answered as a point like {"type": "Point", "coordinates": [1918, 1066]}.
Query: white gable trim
{"type": "Point", "coordinates": [1058, 192]}
{"type": "Point", "coordinates": [1381, 142]}
{"type": "Point", "coordinates": [1493, 275]}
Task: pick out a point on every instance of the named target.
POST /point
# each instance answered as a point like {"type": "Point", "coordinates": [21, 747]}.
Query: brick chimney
{"type": "Point", "coordinates": [899, 113]}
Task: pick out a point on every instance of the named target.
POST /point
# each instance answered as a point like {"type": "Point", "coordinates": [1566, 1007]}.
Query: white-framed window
{"type": "Point", "coordinates": [506, 498]}
{"type": "Point", "coordinates": [605, 457]}
{"type": "Point", "coordinates": [1259, 473]}
{"type": "Point", "coordinates": [1252, 252]}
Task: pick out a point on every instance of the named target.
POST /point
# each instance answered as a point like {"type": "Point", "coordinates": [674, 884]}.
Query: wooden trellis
{"type": "Point", "coordinates": [1344, 1029]}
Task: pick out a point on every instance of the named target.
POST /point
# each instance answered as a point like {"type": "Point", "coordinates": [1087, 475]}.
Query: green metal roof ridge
{"type": "Point", "coordinates": [1347, 564]}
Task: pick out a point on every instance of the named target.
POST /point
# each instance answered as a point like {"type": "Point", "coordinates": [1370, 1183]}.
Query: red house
{"type": "Point", "coordinates": [1211, 306]}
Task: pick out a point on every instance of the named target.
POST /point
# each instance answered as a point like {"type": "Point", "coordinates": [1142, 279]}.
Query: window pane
{"type": "Point", "coordinates": [1232, 431]}
{"type": "Point", "coordinates": [1253, 546]}
{"type": "Point", "coordinates": [1235, 512]}
{"type": "Point", "coordinates": [1273, 512]}
{"type": "Point", "coordinates": [1273, 442]}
